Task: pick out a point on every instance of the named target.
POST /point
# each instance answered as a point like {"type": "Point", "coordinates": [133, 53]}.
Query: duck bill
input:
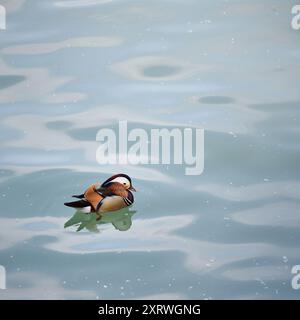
{"type": "Point", "coordinates": [132, 189]}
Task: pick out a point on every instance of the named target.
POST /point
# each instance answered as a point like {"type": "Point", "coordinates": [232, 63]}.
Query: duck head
{"type": "Point", "coordinates": [121, 178]}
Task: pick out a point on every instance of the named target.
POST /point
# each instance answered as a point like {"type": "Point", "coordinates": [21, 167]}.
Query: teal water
{"type": "Point", "coordinates": [71, 67]}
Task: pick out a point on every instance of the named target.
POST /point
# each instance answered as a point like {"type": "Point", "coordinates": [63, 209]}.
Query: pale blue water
{"type": "Point", "coordinates": [69, 68]}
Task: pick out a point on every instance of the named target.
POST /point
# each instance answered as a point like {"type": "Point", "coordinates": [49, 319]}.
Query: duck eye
{"type": "Point", "coordinates": [124, 183]}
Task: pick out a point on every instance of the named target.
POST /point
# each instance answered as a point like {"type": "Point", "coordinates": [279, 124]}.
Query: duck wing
{"type": "Point", "coordinates": [95, 193]}
{"type": "Point", "coordinates": [113, 189]}
{"type": "Point", "coordinates": [89, 198]}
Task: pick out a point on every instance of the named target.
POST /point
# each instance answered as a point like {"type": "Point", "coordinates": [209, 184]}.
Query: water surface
{"type": "Point", "coordinates": [69, 68]}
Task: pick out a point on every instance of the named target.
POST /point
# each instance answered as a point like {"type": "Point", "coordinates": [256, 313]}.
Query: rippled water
{"type": "Point", "coordinates": [69, 68]}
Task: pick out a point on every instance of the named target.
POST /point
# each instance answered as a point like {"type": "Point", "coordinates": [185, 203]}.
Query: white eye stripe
{"type": "Point", "coordinates": [121, 180]}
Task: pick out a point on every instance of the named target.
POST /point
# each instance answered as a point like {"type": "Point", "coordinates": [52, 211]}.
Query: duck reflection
{"type": "Point", "coordinates": [121, 220]}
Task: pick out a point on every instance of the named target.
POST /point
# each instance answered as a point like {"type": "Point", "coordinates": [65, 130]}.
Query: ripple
{"type": "Point", "coordinates": [280, 214]}
{"type": "Point", "coordinates": [158, 234]}
{"type": "Point", "coordinates": [26, 90]}
{"type": "Point", "coordinates": [40, 226]}
{"type": "Point", "coordinates": [160, 71]}
{"type": "Point", "coordinates": [10, 80]}
{"type": "Point", "coordinates": [6, 173]}
{"type": "Point", "coordinates": [267, 273]}
{"type": "Point", "coordinates": [216, 100]}
{"type": "Point", "coordinates": [31, 156]}
{"type": "Point", "coordinates": [36, 285]}
{"type": "Point", "coordinates": [58, 125]}
{"type": "Point", "coordinates": [44, 138]}
{"type": "Point", "coordinates": [266, 190]}
{"type": "Point", "coordinates": [153, 68]}
{"type": "Point", "coordinates": [79, 3]}
{"type": "Point", "coordinates": [44, 48]}
{"type": "Point", "coordinates": [8, 134]}
{"type": "Point", "coordinates": [67, 97]}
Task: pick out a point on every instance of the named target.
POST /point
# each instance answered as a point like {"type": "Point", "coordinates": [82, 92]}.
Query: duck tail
{"type": "Point", "coordinates": [77, 204]}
